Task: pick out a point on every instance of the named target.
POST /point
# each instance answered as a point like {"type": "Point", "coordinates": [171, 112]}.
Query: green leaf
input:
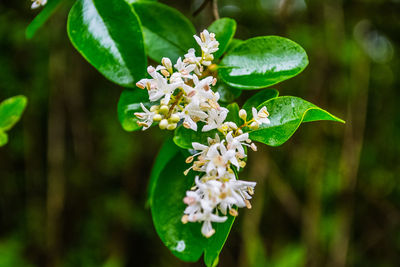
{"type": "Point", "coordinates": [167, 33]}
{"type": "Point", "coordinates": [227, 93]}
{"type": "Point", "coordinates": [108, 35]}
{"type": "Point", "coordinates": [184, 240]}
{"type": "Point", "coordinates": [257, 99]}
{"type": "Point", "coordinates": [166, 153]}
{"type": "Point", "coordinates": [233, 114]}
{"type": "Point", "coordinates": [224, 30]}
{"type": "Point", "coordinates": [133, 1]}
{"type": "Point", "coordinates": [128, 104]}
{"type": "Point", "coordinates": [286, 115]}
{"type": "Point", "coordinates": [262, 61]}
{"type": "Point", "coordinates": [3, 138]}
{"type": "Point", "coordinates": [233, 43]}
{"type": "Point", "coordinates": [185, 137]}
{"type": "Point", "coordinates": [42, 17]}
{"type": "Point", "coordinates": [11, 110]}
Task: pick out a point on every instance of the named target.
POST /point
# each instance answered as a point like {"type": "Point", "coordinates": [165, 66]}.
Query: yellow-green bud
{"type": "Point", "coordinates": [243, 114]}
{"type": "Point", "coordinates": [157, 117]}
{"type": "Point", "coordinates": [154, 108]}
{"type": "Point", "coordinates": [254, 125]}
{"type": "Point", "coordinates": [171, 126]}
{"type": "Point", "coordinates": [209, 57]}
{"type": "Point", "coordinates": [164, 109]}
{"type": "Point", "coordinates": [163, 124]}
{"type": "Point", "coordinates": [167, 64]}
{"type": "Point", "coordinates": [174, 118]}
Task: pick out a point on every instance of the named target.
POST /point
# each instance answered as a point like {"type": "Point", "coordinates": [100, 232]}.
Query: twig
{"type": "Point", "coordinates": [203, 5]}
{"type": "Point", "coordinates": [215, 9]}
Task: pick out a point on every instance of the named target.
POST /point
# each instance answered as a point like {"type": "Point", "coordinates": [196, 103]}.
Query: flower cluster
{"type": "Point", "coordinates": [183, 95]}
{"type": "Point", "coordinates": [38, 3]}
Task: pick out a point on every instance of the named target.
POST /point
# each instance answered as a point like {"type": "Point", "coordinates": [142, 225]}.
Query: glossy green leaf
{"type": "Point", "coordinates": [233, 114]}
{"type": "Point", "coordinates": [11, 110]}
{"type": "Point", "coordinates": [128, 104]}
{"type": "Point", "coordinates": [227, 93]}
{"type": "Point", "coordinates": [133, 1]}
{"type": "Point", "coordinates": [3, 138]}
{"type": "Point", "coordinates": [257, 99]}
{"type": "Point", "coordinates": [166, 153]}
{"type": "Point", "coordinates": [184, 240]}
{"type": "Point", "coordinates": [286, 115]}
{"type": "Point", "coordinates": [224, 30]}
{"type": "Point", "coordinates": [233, 43]}
{"type": "Point", "coordinates": [262, 61]}
{"type": "Point", "coordinates": [167, 33]}
{"type": "Point", "coordinates": [184, 137]}
{"type": "Point", "coordinates": [109, 36]}
{"type": "Point", "coordinates": [42, 17]}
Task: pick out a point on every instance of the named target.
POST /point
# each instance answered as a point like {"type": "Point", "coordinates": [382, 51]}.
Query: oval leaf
{"type": "Point", "coordinates": [167, 33]}
{"type": "Point", "coordinates": [11, 110]}
{"type": "Point", "coordinates": [108, 35]}
{"type": "Point", "coordinates": [286, 115]}
{"type": "Point", "coordinates": [166, 153]}
{"type": "Point", "coordinates": [227, 93]}
{"type": "Point", "coordinates": [3, 138]}
{"type": "Point", "coordinates": [262, 61]}
{"type": "Point", "coordinates": [185, 137]}
{"type": "Point", "coordinates": [184, 240]}
{"type": "Point", "coordinates": [233, 114]}
{"type": "Point", "coordinates": [128, 104]}
{"type": "Point", "coordinates": [224, 30]}
{"type": "Point", "coordinates": [257, 99]}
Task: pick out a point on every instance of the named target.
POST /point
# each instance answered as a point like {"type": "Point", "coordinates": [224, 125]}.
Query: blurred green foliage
{"type": "Point", "coordinates": [73, 182]}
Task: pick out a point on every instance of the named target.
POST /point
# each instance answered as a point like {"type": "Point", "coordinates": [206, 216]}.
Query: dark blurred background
{"type": "Point", "coordinates": [73, 183]}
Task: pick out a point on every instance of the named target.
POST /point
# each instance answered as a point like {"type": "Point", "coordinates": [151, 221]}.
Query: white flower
{"type": "Point", "coordinates": [160, 87]}
{"type": "Point", "coordinates": [184, 68]}
{"type": "Point", "coordinates": [237, 143]}
{"type": "Point", "coordinates": [201, 204]}
{"type": "Point", "coordinates": [191, 114]}
{"type": "Point", "coordinates": [191, 58]}
{"type": "Point", "coordinates": [260, 116]}
{"type": "Point", "coordinates": [207, 42]}
{"type": "Point", "coordinates": [38, 3]}
{"type": "Point", "coordinates": [218, 159]}
{"type": "Point", "coordinates": [146, 117]}
{"type": "Point", "coordinates": [236, 192]}
{"type": "Point", "coordinates": [207, 217]}
{"type": "Point", "coordinates": [215, 119]}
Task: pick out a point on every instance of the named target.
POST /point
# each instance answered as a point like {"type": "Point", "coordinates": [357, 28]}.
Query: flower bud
{"type": "Point", "coordinates": [209, 57]}
{"type": "Point", "coordinates": [174, 118]}
{"type": "Point", "coordinates": [157, 117]}
{"type": "Point", "coordinates": [253, 147]}
{"type": "Point", "coordinates": [167, 63]}
{"type": "Point", "coordinates": [163, 124]}
{"type": "Point", "coordinates": [243, 114]}
{"type": "Point", "coordinates": [213, 67]}
{"type": "Point", "coordinates": [254, 125]}
{"type": "Point", "coordinates": [242, 164]}
{"type": "Point", "coordinates": [150, 69]}
{"type": "Point", "coordinates": [164, 109]}
{"type": "Point", "coordinates": [154, 108]}
{"type": "Point", "coordinates": [171, 126]}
